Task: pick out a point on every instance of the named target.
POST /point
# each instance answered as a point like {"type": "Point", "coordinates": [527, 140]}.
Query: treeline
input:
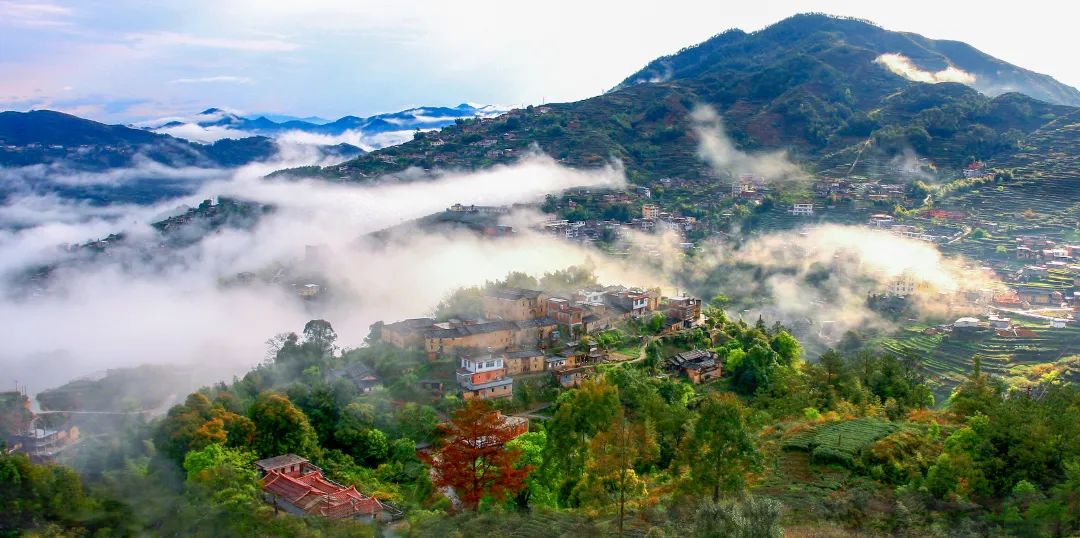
{"type": "Point", "coordinates": [633, 450]}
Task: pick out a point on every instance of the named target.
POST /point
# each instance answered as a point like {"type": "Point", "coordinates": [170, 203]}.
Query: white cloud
{"type": "Point", "coordinates": [34, 14]}
{"type": "Point", "coordinates": [205, 135]}
{"type": "Point", "coordinates": [158, 39]}
{"type": "Point", "coordinates": [903, 66]}
{"type": "Point", "coordinates": [213, 79]}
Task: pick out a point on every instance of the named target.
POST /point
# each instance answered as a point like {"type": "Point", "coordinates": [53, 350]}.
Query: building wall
{"type": "Point", "coordinates": [514, 309]}
{"type": "Point", "coordinates": [533, 337]}
{"type": "Point", "coordinates": [401, 338]}
{"type": "Point", "coordinates": [524, 365]}
{"type": "Point", "coordinates": [497, 340]}
{"type": "Point", "coordinates": [504, 391]}
{"type": "Point", "coordinates": [490, 375]}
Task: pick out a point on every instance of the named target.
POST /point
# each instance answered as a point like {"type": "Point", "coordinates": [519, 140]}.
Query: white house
{"type": "Point", "coordinates": [966, 323]}
{"type": "Point", "coordinates": [802, 209]}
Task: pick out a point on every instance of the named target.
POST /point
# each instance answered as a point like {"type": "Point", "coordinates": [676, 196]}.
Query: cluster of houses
{"type": "Point", "coordinates": [521, 330]}
{"type": "Point", "coordinates": [940, 234]}
{"type": "Point", "coordinates": [860, 194]}
{"type": "Point", "coordinates": [39, 443]}
{"type": "Point", "coordinates": [1046, 251]}
{"type": "Point", "coordinates": [652, 221]}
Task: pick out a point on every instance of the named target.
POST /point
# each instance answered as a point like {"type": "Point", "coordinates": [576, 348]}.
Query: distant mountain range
{"type": "Point", "coordinates": [822, 88]}
{"type": "Point", "coordinates": [223, 123]}
{"type": "Point", "coordinates": [46, 137]}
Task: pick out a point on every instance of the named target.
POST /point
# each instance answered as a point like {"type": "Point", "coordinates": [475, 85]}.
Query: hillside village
{"type": "Point", "coordinates": [528, 332]}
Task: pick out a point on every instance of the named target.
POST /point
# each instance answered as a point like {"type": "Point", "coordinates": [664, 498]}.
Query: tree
{"type": "Point", "coordinates": [281, 428]}
{"type": "Point", "coordinates": [613, 454]}
{"type": "Point", "coordinates": [579, 414]}
{"type": "Point", "coordinates": [787, 347]}
{"type": "Point", "coordinates": [198, 423]}
{"type": "Point", "coordinates": [321, 334]}
{"type": "Point", "coordinates": [753, 517]}
{"type": "Point", "coordinates": [720, 451]}
{"type": "Point", "coordinates": [538, 488]}
{"type": "Point", "coordinates": [473, 457]}
{"type": "Point", "coordinates": [656, 323]}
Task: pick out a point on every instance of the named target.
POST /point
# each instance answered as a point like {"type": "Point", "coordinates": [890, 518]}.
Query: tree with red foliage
{"type": "Point", "coordinates": [473, 458]}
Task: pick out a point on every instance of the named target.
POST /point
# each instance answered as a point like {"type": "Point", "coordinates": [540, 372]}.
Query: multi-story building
{"type": "Point", "coordinates": [524, 362]}
{"type": "Point", "coordinates": [514, 304]}
{"type": "Point", "coordinates": [684, 309]}
{"type": "Point", "coordinates": [498, 335]}
{"type": "Point", "coordinates": [406, 333]}
{"type": "Point", "coordinates": [565, 313]}
{"type": "Point", "coordinates": [484, 376]}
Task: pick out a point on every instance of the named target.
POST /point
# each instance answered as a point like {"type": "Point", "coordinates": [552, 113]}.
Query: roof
{"type": "Point", "coordinates": [513, 294]}
{"type": "Point", "coordinates": [525, 354]}
{"type": "Point", "coordinates": [277, 462]}
{"type": "Point", "coordinates": [696, 359]}
{"type": "Point", "coordinates": [490, 384]}
{"type": "Point", "coordinates": [358, 373]}
{"type": "Point", "coordinates": [316, 495]}
{"type": "Point", "coordinates": [694, 354]}
{"type": "Point", "coordinates": [538, 322]}
{"type": "Point", "coordinates": [410, 324]}
{"type": "Point", "coordinates": [467, 330]}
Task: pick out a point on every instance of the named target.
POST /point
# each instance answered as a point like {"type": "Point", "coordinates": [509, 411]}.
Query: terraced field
{"type": "Point", "coordinates": [1053, 202]}
{"type": "Point", "coordinates": [840, 442]}
{"type": "Point", "coordinates": [947, 359]}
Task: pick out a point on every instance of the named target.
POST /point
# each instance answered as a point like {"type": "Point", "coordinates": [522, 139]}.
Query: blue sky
{"type": "Point", "coordinates": [129, 61]}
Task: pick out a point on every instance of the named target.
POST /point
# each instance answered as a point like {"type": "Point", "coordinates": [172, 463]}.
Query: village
{"type": "Point", "coordinates": [529, 332]}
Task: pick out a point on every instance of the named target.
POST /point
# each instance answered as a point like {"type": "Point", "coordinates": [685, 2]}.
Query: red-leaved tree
{"type": "Point", "coordinates": [473, 459]}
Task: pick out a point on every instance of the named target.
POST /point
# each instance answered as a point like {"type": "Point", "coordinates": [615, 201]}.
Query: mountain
{"type": "Point", "coordinates": [46, 136]}
{"type": "Point", "coordinates": [813, 85]}
{"type": "Point", "coordinates": [731, 49]}
{"type": "Point", "coordinates": [405, 121]}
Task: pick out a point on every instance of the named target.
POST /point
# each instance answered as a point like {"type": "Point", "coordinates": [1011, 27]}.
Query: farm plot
{"type": "Point", "coordinates": [840, 442]}
{"type": "Point", "coordinates": [947, 360]}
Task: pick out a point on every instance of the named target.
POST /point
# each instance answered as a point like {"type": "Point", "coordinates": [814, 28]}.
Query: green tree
{"type": "Point", "coordinates": [320, 333]}
{"type": "Point", "coordinates": [720, 450]}
{"type": "Point", "coordinates": [538, 490]}
{"type": "Point", "coordinates": [281, 428]}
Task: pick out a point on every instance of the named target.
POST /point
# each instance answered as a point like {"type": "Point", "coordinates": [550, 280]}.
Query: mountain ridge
{"type": "Point", "coordinates": [47, 136]}
{"type": "Point", "coordinates": [819, 95]}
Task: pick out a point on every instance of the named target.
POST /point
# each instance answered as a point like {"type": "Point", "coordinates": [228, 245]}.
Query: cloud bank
{"type": "Point", "coordinates": [140, 303]}
{"type": "Point", "coordinates": [719, 151]}
{"type": "Point", "coordinates": [903, 66]}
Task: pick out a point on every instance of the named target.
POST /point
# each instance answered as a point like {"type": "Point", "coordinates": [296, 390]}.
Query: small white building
{"type": "Point", "coordinates": [999, 322]}
{"type": "Point", "coordinates": [881, 220]}
{"type": "Point", "coordinates": [802, 209]}
{"type": "Point", "coordinates": [966, 323]}
{"type": "Point", "coordinates": [1058, 323]}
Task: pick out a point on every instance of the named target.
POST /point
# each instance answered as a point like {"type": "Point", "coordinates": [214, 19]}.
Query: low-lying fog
{"type": "Point", "coordinates": [173, 309]}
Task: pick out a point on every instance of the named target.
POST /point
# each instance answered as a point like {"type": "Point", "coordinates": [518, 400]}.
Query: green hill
{"type": "Point", "coordinates": [809, 85]}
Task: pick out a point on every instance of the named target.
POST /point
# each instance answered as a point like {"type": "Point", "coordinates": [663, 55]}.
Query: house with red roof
{"type": "Point", "coordinates": [295, 485]}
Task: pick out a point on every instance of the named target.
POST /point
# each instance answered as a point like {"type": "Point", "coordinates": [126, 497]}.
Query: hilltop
{"type": "Point", "coordinates": [812, 85]}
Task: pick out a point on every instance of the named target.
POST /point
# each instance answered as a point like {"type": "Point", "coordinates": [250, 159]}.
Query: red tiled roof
{"type": "Point", "coordinates": [316, 495]}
